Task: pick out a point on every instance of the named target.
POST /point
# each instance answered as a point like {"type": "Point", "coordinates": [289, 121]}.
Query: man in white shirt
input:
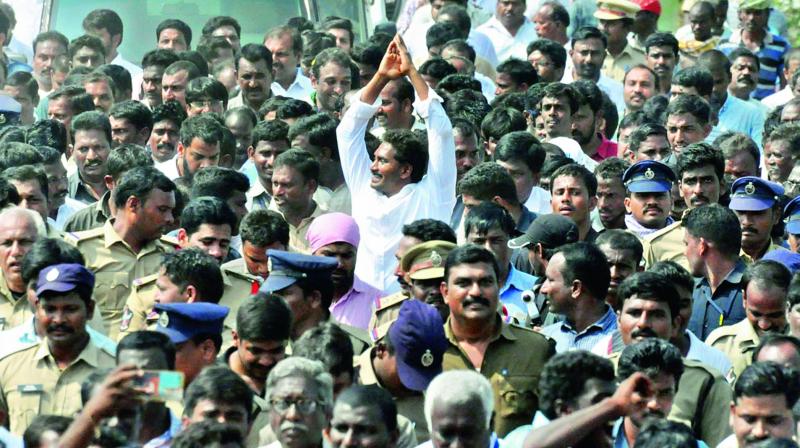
{"type": "Point", "coordinates": [287, 47]}
{"type": "Point", "coordinates": [588, 53]}
{"type": "Point", "coordinates": [393, 189]}
{"type": "Point", "coordinates": [509, 30]}
{"type": "Point", "coordinates": [107, 26]}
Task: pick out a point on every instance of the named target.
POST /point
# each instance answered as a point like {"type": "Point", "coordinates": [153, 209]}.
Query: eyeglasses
{"type": "Point", "coordinates": [303, 405]}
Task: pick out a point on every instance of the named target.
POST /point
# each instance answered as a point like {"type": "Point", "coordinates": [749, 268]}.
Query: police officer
{"type": "Point", "coordinates": [415, 344]}
{"type": "Point", "coordinates": [791, 215]}
{"type": "Point", "coordinates": [424, 266]}
{"type": "Point", "coordinates": [304, 281]}
{"type": "Point", "coordinates": [45, 378]}
{"type": "Point", "coordinates": [130, 245]}
{"type": "Point", "coordinates": [649, 200]}
{"type": "Point", "coordinates": [756, 203]}
{"type": "Point", "coordinates": [196, 331]}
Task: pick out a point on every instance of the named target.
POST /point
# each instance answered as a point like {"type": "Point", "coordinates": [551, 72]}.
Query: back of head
{"type": "Point", "coordinates": [523, 147]}
{"type": "Point", "coordinates": [149, 340]}
{"type": "Point", "coordinates": [651, 356]}
{"type": "Point", "coordinates": [126, 157]}
{"type": "Point", "coordinates": [565, 375]}
{"type": "Point", "coordinates": [219, 385]}
{"type": "Point", "coordinates": [42, 424]}
{"type": "Point", "coordinates": [209, 433]}
{"type": "Point", "coordinates": [651, 286]}
{"type": "Point", "coordinates": [502, 121]}
{"type": "Point", "coordinates": [586, 263]}
{"type": "Point", "coordinates": [264, 317]}
{"type": "Point", "coordinates": [139, 182]}
{"type": "Point", "coordinates": [429, 230]}
{"type": "Point", "coordinates": [219, 182]}
{"type": "Point", "coordinates": [486, 216]}
{"type": "Point", "coordinates": [697, 77]}
{"type": "Point", "coordinates": [328, 344]}
{"type": "Point", "coordinates": [660, 433]}
{"type": "Point", "coordinates": [47, 252]}
{"type": "Point", "coordinates": [768, 378]}
{"type": "Point", "coordinates": [674, 274]}
{"type": "Point", "coordinates": [486, 181]}
{"type": "Point", "coordinates": [718, 225]}
{"type": "Point", "coordinates": [262, 228]}
{"type": "Point", "coordinates": [193, 267]}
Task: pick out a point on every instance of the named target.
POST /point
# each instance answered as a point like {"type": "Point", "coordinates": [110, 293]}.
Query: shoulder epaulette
{"type": "Point", "coordinates": [663, 231]}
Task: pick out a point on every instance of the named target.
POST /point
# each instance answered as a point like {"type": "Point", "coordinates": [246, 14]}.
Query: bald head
{"type": "Point", "coordinates": [19, 228]}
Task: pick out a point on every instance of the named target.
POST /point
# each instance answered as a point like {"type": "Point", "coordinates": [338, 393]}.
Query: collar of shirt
{"type": "Point", "coordinates": [736, 38]}
{"type": "Point", "coordinates": [734, 277]}
{"type": "Point", "coordinates": [102, 209]}
{"type": "Point", "coordinates": [605, 323]}
{"type": "Point", "coordinates": [499, 27]}
{"type": "Point", "coordinates": [175, 426]}
{"type": "Point", "coordinates": [111, 237]}
{"type": "Point", "coordinates": [634, 226]}
{"type": "Point", "coordinates": [366, 372]}
{"type": "Point", "coordinates": [90, 353]}
{"type": "Point", "coordinates": [619, 434]}
{"type": "Point", "coordinates": [256, 191]}
{"type": "Point", "coordinates": [504, 331]}
{"type": "Point", "coordinates": [514, 278]}
{"type": "Point", "coordinates": [606, 149]}
{"type": "Point", "coordinates": [526, 219]}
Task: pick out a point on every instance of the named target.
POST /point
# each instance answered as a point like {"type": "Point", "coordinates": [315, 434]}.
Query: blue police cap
{"type": "Point", "coordinates": [64, 277]}
{"type": "Point", "coordinates": [286, 268]}
{"type": "Point", "coordinates": [648, 176]}
{"type": "Point", "coordinates": [183, 321]}
{"type": "Point", "coordinates": [791, 215]}
{"type": "Point", "coordinates": [785, 257]}
{"type": "Point", "coordinates": [419, 343]}
{"type": "Point", "coordinates": [753, 194]}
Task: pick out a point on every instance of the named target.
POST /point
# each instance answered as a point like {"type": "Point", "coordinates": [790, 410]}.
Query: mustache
{"type": "Point", "coordinates": [749, 229]}
{"type": "Point", "coordinates": [287, 425]}
{"type": "Point", "coordinates": [165, 146]}
{"type": "Point", "coordinates": [62, 328]}
{"type": "Point", "coordinates": [643, 333]}
{"type": "Point", "coordinates": [745, 79]}
{"type": "Point", "coordinates": [480, 300]}
{"type": "Point", "coordinates": [653, 207]}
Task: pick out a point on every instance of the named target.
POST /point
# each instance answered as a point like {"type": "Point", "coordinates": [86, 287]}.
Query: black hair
{"type": "Point", "coordinates": [218, 384]}
{"type": "Point", "coordinates": [521, 72]}
{"type": "Point", "coordinates": [47, 252]}
{"type": "Point", "coordinates": [662, 40]}
{"type": "Point", "coordinates": [429, 230]}
{"type": "Point", "coordinates": [487, 180]}
{"type": "Point", "coordinates": [774, 340]}
{"type": "Point", "coordinates": [125, 157]}
{"type": "Point", "coordinates": [468, 104]}
{"type": "Point", "coordinates": [437, 68]}
{"type": "Point", "coordinates": [558, 89]}
{"type": "Point", "coordinates": [372, 396]}
{"type": "Point", "coordinates": [219, 21]}
{"type": "Point", "coordinates": [86, 41]}
{"type": "Point", "coordinates": [660, 432]}
{"type": "Point", "coordinates": [521, 146]}
{"type": "Point", "coordinates": [462, 47]}
{"type": "Point", "coordinates": [742, 52]}
{"type": "Point", "coordinates": [32, 437]}
{"type": "Point", "coordinates": [458, 82]}
{"type": "Point", "coordinates": [652, 356]}
{"type": "Point", "coordinates": [254, 53]}
{"type": "Point", "coordinates": [409, 149]}
{"type": "Point", "coordinates": [264, 317]}
{"type": "Point", "coordinates": [460, 17]}
{"type": "Point", "coordinates": [209, 433]}
{"type": "Point", "coordinates": [500, 122]}
{"type": "Point", "coordinates": [649, 285]}
{"type": "Point", "coordinates": [26, 173]}
{"type": "Point", "coordinates": [203, 88]}
{"type": "Point", "coordinates": [618, 239]}
{"type": "Point", "coordinates": [206, 210]}
{"type": "Point", "coordinates": [120, 77]}
{"type": "Point", "coordinates": [103, 19]}
{"type": "Point", "coordinates": [579, 172]}
{"type": "Point", "coordinates": [139, 182]}
{"type": "Point", "coordinates": [314, 42]}
{"type": "Point", "coordinates": [79, 101]}
{"type": "Point", "coordinates": [674, 274]}
{"type": "Point", "coordinates": [587, 263]}
{"type": "Point", "coordinates": [732, 144]}
{"type": "Point", "coordinates": [640, 134]}
{"type": "Point", "coordinates": [565, 375]}
{"type": "Point", "coordinates": [149, 340]}
{"type": "Point", "coordinates": [219, 182]}
{"type": "Point", "coordinates": [50, 36]}
{"type": "Point", "coordinates": [333, 55]}
{"type": "Point", "coordinates": [611, 168]}
{"type": "Point", "coordinates": [293, 108]}
{"type": "Point", "coordinates": [768, 378]}
{"type": "Point", "coordinates": [442, 32]}
{"type": "Point", "coordinates": [133, 111]}
{"type": "Point", "coordinates": [767, 274]}
{"type": "Point", "coordinates": [698, 77]}
{"type": "Point", "coordinates": [716, 224]}
{"type": "Point", "coordinates": [177, 25]}
{"type": "Point", "coordinates": [328, 344]}
{"type": "Point", "coordinates": [469, 254]}
{"type": "Point", "coordinates": [320, 130]}
{"type": "Point", "coordinates": [270, 131]}
{"type": "Point", "coordinates": [302, 161]}
{"type": "Point", "coordinates": [203, 127]}
{"type": "Point", "coordinates": [559, 12]}
{"type": "Point", "coordinates": [47, 132]}
{"type": "Point", "coordinates": [691, 104]}
{"type": "Point", "coordinates": [699, 155]}
{"type": "Point", "coordinates": [552, 49]}
{"type": "Point", "coordinates": [486, 216]}
{"type": "Point", "coordinates": [92, 121]}
{"type": "Point", "coordinates": [159, 57]}
{"type": "Point", "coordinates": [590, 94]}
{"type": "Point", "coordinates": [789, 133]}
{"type": "Point", "coordinates": [586, 33]}
{"type": "Point", "coordinates": [26, 82]}
{"type": "Point", "coordinates": [339, 23]}
{"type": "Point", "coordinates": [264, 227]}
{"type": "Point", "coordinates": [169, 110]}
{"type": "Point", "coordinates": [18, 154]}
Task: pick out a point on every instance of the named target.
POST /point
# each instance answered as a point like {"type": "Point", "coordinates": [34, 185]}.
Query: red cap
{"type": "Point", "coordinates": [653, 6]}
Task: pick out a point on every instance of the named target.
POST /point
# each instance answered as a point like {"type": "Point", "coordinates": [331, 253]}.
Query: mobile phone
{"type": "Point", "coordinates": [161, 385]}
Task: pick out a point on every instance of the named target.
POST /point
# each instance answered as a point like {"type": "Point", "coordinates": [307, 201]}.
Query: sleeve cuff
{"type": "Point", "coordinates": [422, 107]}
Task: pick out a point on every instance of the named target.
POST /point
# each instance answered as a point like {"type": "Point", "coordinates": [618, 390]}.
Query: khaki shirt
{"type": "Point", "coordinates": [412, 408]}
{"type": "Point", "coordinates": [115, 266]}
{"type": "Point", "coordinates": [665, 245]}
{"type": "Point", "coordinates": [615, 67]}
{"type": "Point", "coordinates": [386, 311]}
{"type": "Point", "coordinates": [91, 217]}
{"type": "Point", "coordinates": [738, 342]}
{"type": "Point", "coordinates": [297, 235]}
{"type": "Point", "coordinates": [32, 384]}
{"type": "Point", "coordinates": [138, 313]}
{"type": "Point", "coordinates": [13, 312]}
{"type": "Point", "coordinates": [512, 363]}
{"type": "Point", "coordinates": [238, 266]}
{"type": "Point", "coordinates": [702, 402]}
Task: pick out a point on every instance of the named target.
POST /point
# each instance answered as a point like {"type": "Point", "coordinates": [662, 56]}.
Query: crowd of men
{"type": "Point", "coordinates": [541, 224]}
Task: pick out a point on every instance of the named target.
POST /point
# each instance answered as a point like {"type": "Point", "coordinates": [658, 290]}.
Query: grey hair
{"type": "Point", "coordinates": [295, 366]}
{"type": "Point", "coordinates": [459, 387]}
{"type": "Point", "coordinates": [33, 218]}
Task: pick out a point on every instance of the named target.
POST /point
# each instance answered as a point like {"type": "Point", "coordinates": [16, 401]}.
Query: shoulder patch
{"type": "Point", "coordinates": [87, 234]}
{"type": "Point", "coordinates": [388, 301]}
{"type": "Point", "coordinates": [170, 241]}
{"type": "Point", "coordinates": [240, 275]}
{"type": "Point", "coordinates": [144, 281]}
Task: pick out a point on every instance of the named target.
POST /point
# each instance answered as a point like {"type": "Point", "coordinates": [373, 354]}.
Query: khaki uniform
{"type": "Point", "coordinates": [238, 266]}
{"type": "Point", "coordinates": [738, 342]}
{"type": "Point", "coordinates": [115, 266]}
{"type": "Point", "coordinates": [512, 363]}
{"type": "Point", "coordinates": [359, 338]}
{"type": "Point", "coordinates": [13, 311]}
{"type": "Point", "coordinates": [138, 313]}
{"type": "Point", "coordinates": [297, 235]}
{"type": "Point", "coordinates": [702, 402]}
{"type": "Point", "coordinates": [615, 67]}
{"type": "Point", "coordinates": [386, 311]}
{"type": "Point", "coordinates": [91, 217]}
{"type": "Point", "coordinates": [412, 408]}
{"type": "Point", "coordinates": [32, 384]}
{"type": "Point", "coordinates": [665, 245]}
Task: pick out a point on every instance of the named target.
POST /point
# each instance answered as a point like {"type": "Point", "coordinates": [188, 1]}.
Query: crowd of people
{"type": "Point", "coordinates": [541, 224]}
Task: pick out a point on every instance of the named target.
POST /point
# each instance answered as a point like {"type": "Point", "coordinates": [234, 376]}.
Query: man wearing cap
{"type": "Point", "coordinates": [305, 282]}
{"type": "Point", "coordinates": [543, 239]}
{"type": "Point", "coordinates": [645, 23]}
{"type": "Point", "coordinates": [791, 215]}
{"type": "Point", "coordinates": [406, 358]}
{"type": "Point", "coordinates": [615, 19]}
{"type": "Point", "coordinates": [770, 48]}
{"type": "Point", "coordinates": [510, 357]}
{"type": "Point", "coordinates": [336, 235]}
{"type": "Point", "coordinates": [649, 201]}
{"type": "Point", "coordinates": [129, 245]}
{"type": "Point", "coordinates": [45, 378]}
{"type": "Point", "coordinates": [196, 331]}
{"type": "Point", "coordinates": [766, 284]}
{"type": "Point", "coordinates": [424, 265]}
{"type": "Point", "coordinates": [756, 203]}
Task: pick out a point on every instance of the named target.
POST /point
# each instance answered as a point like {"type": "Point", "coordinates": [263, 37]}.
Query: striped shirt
{"type": "Point", "coordinates": [568, 339]}
{"type": "Point", "coordinates": [770, 58]}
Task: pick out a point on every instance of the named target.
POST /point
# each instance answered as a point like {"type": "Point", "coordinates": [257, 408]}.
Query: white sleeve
{"type": "Point", "coordinates": [352, 146]}
{"type": "Point", "coordinates": [441, 174]}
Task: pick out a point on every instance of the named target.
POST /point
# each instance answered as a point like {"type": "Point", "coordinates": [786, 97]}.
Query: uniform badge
{"type": "Point", "coordinates": [127, 315]}
{"type": "Point", "coordinates": [436, 259]}
{"type": "Point", "coordinates": [649, 173]}
{"type": "Point", "coordinates": [427, 359]}
{"type": "Point", "coordinates": [163, 319]}
{"type": "Point", "coordinates": [52, 275]}
{"type": "Point", "coordinates": [750, 188]}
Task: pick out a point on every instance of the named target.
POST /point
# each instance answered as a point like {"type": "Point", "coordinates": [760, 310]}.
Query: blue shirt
{"type": "Point", "coordinates": [568, 339]}
{"type": "Point", "coordinates": [740, 116]}
{"type": "Point", "coordinates": [723, 307]}
{"type": "Point", "coordinates": [165, 440]}
{"type": "Point", "coordinates": [770, 58]}
{"type": "Point", "coordinates": [621, 442]}
{"type": "Point", "coordinates": [516, 283]}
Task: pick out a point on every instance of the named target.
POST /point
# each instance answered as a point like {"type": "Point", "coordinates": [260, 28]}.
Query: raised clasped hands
{"type": "Point", "coordinates": [396, 62]}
